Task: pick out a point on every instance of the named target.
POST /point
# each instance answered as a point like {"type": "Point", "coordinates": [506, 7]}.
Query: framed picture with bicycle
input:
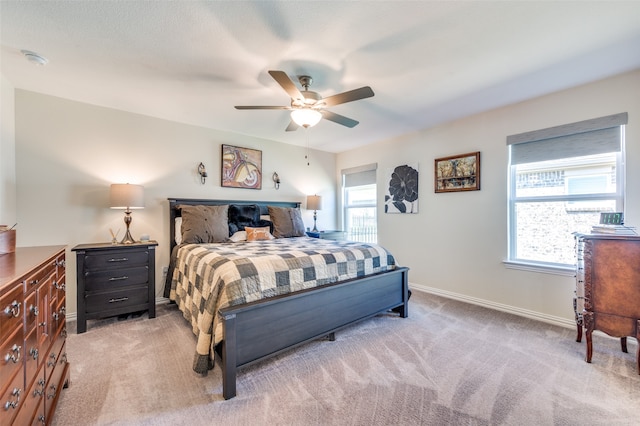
{"type": "Point", "coordinates": [241, 167]}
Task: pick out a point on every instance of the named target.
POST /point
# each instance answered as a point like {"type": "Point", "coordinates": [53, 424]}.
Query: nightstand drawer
{"type": "Point", "coordinates": [115, 278]}
{"type": "Point", "coordinates": [116, 259]}
{"type": "Point", "coordinates": [116, 300]}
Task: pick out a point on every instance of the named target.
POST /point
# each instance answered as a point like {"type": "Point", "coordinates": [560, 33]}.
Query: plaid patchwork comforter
{"type": "Point", "coordinates": [208, 277]}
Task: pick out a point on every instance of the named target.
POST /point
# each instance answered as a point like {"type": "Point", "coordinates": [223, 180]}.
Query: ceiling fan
{"type": "Point", "coordinates": [308, 107]}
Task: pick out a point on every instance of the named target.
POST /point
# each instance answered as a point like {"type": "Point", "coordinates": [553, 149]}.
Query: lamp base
{"type": "Point", "coordinates": [127, 239]}
{"type": "Point", "coordinates": [315, 216]}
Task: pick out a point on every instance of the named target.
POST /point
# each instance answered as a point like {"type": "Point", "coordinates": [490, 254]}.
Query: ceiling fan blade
{"type": "Point", "coordinates": [260, 107]}
{"type": "Point", "coordinates": [292, 126]}
{"type": "Point", "coordinates": [351, 95]}
{"type": "Point", "coordinates": [340, 119]}
{"type": "Point", "coordinates": [289, 86]}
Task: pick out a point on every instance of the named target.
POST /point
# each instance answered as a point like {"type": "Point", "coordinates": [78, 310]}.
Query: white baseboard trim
{"type": "Point", "coordinates": [562, 322]}
{"type": "Point", "coordinates": [73, 316]}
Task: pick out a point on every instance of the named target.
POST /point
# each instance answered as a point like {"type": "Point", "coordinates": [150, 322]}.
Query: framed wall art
{"type": "Point", "coordinates": [402, 192]}
{"type": "Point", "coordinates": [458, 173]}
{"type": "Point", "coordinates": [241, 167]}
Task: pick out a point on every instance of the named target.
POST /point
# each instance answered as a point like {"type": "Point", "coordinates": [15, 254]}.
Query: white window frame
{"type": "Point", "coordinates": [512, 260]}
{"type": "Point", "coordinates": [358, 177]}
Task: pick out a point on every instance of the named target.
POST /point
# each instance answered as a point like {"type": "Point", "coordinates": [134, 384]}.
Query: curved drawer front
{"type": "Point", "coordinates": [115, 278]}
{"type": "Point", "coordinates": [116, 259]}
{"type": "Point", "coordinates": [116, 300]}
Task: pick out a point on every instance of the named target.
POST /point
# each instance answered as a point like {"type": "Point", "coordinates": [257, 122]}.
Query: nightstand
{"type": "Point", "coordinates": [327, 235]}
{"type": "Point", "coordinates": [115, 279]}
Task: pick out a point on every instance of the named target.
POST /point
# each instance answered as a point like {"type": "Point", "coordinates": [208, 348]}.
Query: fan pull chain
{"type": "Point", "coordinates": [306, 155]}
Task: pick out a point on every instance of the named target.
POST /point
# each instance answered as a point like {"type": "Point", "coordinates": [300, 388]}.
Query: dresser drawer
{"type": "Point", "coordinates": [11, 355]}
{"type": "Point", "coordinates": [110, 279]}
{"type": "Point", "coordinates": [116, 259]}
{"type": "Point", "coordinates": [10, 399]}
{"type": "Point", "coordinates": [116, 300]}
{"type": "Point", "coordinates": [11, 310]}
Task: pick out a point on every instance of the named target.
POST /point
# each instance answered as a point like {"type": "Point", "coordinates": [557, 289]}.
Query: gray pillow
{"type": "Point", "coordinates": [287, 222]}
{"type": "Point", "coordinates": [204, 224]}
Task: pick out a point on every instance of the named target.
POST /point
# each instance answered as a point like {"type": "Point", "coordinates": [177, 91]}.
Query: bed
{"type": "Point", "coordinates": [243, 318]}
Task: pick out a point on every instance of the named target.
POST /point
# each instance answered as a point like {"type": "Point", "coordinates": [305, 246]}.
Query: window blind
{"type": "Point", "coordinates": [358, 176]}
{"type": "Point", "coordinates": [589, 137]}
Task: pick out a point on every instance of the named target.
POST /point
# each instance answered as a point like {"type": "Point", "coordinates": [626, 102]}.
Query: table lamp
{"type": "Point", "coordinates": [314, 202]}
{"type": "Point", "coordinates": [126, 196]}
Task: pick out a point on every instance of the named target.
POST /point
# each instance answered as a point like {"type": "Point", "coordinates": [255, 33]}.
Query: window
{"type": "Point", "coordinates": [359, 196]}
{"type": "Point", "coordinates": [561, 179]}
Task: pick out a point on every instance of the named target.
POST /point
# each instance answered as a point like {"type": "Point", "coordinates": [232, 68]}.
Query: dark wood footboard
{"type": "Point", "coordinates": [258, 330]}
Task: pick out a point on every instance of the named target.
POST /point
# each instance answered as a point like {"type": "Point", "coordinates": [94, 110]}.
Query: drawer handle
{"type": "Point", "coordinates": [118, 299]}
{"type": "Point", "coordinates": [34, 282]}
{"type": "Point", "coordinates": [118, 259]}
{"type": "Point", "coordinates": [124, 277]}
{"type": "Point", "coordinates": [12, 357]}
{"type": "Point", "coordinates": [34, 310]}
{"type": "Point", "coordinates": [38, 392]}
{"type": "Point", "coordinates": [13, 310]}
{"type": "Point", "coordinates": [60, 286]}
{"type": "Point", "coordinates": [52, 362]}
{"type": "Point", "coordinates": [13, 404]}
{"type": "Point", "coordinates": [34, 352]}
{"type": "Point", "coordinates": [53, 394]}
{"type": "Point", "coordinates": [62, 263]}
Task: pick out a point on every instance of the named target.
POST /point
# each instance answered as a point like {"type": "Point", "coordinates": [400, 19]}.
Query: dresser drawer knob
{"type": "Point", "coordinates": [124, 277]}
{"type": "Point", "coordinates": [118, 299]}
{"type": "Point", "coordinates": [34, 353]}
{"type": "Point", "coordinates": [61, 263]}
{"type": "Point", "coordinates": [13, 404]}
{"type": "Point", "coordinates": [118, 259]}
{"type": "Point", "coordinates": [13, 309]}
{"type": "Point", "coordinates": [15, 356]}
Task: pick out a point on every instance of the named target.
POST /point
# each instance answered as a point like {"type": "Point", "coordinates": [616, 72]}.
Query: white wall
{"type": "Point", "coordinates": [7, 153]}
{"type": "Point", "coordinates": [68, 153]}
{"type": "Point", "coordinates": [455, 245]}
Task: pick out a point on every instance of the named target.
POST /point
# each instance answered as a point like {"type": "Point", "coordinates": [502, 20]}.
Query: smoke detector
{"type": "Point", "coordinates": [34, 58]}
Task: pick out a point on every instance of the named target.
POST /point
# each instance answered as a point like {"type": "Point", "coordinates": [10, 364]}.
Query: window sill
{"type": "Point", "coordinates": [567, 271]}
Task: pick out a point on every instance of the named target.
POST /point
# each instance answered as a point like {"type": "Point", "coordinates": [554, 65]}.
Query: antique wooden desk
{"type": "Point", "coordinates": [608, 288]}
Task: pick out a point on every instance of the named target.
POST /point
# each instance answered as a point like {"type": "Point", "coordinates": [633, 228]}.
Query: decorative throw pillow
{"type": "Point", "coordinates": [241, 216]}
{"type": "Point", "coordinates": [238, 237]}
{"type": "Point", "coordinates": [204, 224]}
{"type": "Point", "coordinates": [256, 234]}
{"type": "Point", "coordinates": [287, 222]}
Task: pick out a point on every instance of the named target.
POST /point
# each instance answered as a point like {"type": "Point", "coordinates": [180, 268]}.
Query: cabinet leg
{"type": "Point", "coordinates": [589, 346]}
{"type": "Point", "coordinates": [579, 334]}
{"type": "Point", "coordinates": [623, 344]}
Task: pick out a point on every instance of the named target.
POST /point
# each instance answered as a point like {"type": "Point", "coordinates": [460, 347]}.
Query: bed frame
{"type": "Point", "coordinates": [259, 330]}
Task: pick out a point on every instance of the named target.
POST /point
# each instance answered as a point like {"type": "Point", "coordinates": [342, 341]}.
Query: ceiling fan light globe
{"type": "Point", "coordinates": [306, 117]}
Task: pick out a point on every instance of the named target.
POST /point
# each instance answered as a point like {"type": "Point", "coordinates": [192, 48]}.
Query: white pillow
{"type": "Point", "coordinates": [238, 236]}
{"type": "Point", "coordinates": [178, 230]}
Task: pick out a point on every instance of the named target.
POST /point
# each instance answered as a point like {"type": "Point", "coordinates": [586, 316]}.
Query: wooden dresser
{"type": "Point", "coordinates": [608, 288]}
{"type": "Point", "coordinates": [33, 357]}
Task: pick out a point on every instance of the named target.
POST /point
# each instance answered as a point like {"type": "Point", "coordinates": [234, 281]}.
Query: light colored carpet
{"type": "Point", "coordinates": [448, 363]}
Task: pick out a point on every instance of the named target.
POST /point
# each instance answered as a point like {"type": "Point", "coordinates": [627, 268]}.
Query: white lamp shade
{"type": "Point", "coordinates": [314, 202]}
{"type": "Point", "coordinates": [306, 117]}
{"type": "Point", "coordinates": [126, 196]}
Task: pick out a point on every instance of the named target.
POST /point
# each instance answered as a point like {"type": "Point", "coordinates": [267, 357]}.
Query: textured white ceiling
{"type": "Point", "coordinates": [428, 62]}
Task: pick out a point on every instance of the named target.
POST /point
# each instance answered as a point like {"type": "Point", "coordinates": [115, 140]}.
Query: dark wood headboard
{"type": "Point", "coordinates": [174, 210]}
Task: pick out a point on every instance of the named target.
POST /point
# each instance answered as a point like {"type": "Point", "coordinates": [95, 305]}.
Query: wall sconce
{"type": "Point", "coordinates": [202, 172]}
{"type": "Point", "coordinates": [276, 180]}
